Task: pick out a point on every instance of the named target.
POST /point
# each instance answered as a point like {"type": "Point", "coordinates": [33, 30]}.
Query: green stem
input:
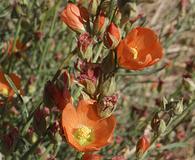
{"type": "Point", "coordinates": [50, 34]}
{"type": "Point", "coordinates": [139, 73]}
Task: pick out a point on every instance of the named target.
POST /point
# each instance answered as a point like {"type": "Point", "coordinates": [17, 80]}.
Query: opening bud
{"type": "Point", "coordinates": [142, 146]}
{"type": "Point", "coordinates": [107, 105]}
{"type": "Point", "coordinates": [100, 23]}
{"type": "Point", "coordinates": [112, 36]}
{"type": "Point", "coordinates": [178, 108]}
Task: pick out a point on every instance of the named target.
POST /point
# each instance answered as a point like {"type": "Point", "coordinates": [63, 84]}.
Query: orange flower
{"type": "Point", "coordinates": [139, 49]}
{"type": "Point", "coordinates": [88, 156]}
{"type": "Point", "coordinates": [84, 129]}
{"type": "Point", "coordinates": [112, 36]}
{"type": "Point", "coordinates": [8, 47]}
{"type": "Point", "coordinates": [74, 17]}
{"type": "Point", "coordinates": [5, 88]}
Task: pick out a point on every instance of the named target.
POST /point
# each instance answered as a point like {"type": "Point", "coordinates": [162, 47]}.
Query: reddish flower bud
{"type": "Point", "coordinates": [38, 35]}
{"type": "Point", "coordinates": [54, 96]}
{"type": "Point", "coordinates": [88, 156]}
{"type": "Point", "coordinates": [142, 145]}
{"type": "Point", "coordinates": [89, 71]}
{"type": "Point", "coordinates": [73, 17]}
{"type": "Point", "coordinates": [112, 36]}
{"type": "Point", "coordinates": [100, 23]}
{"type": "Point", "coordinates": [85, 45]}
{"type": "Point", "coordinates": [57, 95]}
{"type": "Point", "coordinates": [9, 140]}
{"type": "Point", "coordinates": [158, 145]}
{"type": "Point", "coordinates": [107, 105]}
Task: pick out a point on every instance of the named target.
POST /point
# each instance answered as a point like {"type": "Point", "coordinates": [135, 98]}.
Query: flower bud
{"type": "Point", "coordinates": [93, 5]}
{"type": "Point", "coordinates": [162, 127]}
{"type": "Point", "coordinates": [109, 87]}
{"type": "Point", "coordinates": [85, 43]}
{"type": "Point", "coordinates": [100, 24]}
{"type": "Point", "coordinates": [142, 146]}
{"type": "Point", "coordinates": [89, 87]}
{"type": "Point", "coordinates": [112, 36]}
{"type": "Point", "coordinates": [72, 16]}
{"type": "Point", "coordinates": [57, 95]}
{"type": "Point", "coordinates": [38, 35]}
{"type": "Point", "coordinates": [127, 9]}
{"type": "Point", "coordinates": [155, 122]}
{"type": "Point", "coordinates": [178, 108]}
{"type": "Point", "coordinates": [107, 105]}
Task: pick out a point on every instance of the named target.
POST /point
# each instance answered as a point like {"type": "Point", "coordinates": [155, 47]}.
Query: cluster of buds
{"type": "Point", "coordinates": [173, 107]}
{"type": "Point", "coordinates": [169, 109]}
{"type": "Point", "coordinates": [77, 18]}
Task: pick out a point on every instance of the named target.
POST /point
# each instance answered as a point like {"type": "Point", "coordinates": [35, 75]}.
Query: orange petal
{"type": "Point", "coordinates": [69, 123]}
{"type": "Point", "coordinates": [102, 135]}
{"type": "Point", "coordinates": [87, 113]}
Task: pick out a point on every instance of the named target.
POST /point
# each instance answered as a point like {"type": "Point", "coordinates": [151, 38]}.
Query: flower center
{"type": "Point", "coordinates": [4, 92]}
{"type": "Point", "coordinates": [134, 52]}
{"type": "Point", "coordinates": [83, 135]}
